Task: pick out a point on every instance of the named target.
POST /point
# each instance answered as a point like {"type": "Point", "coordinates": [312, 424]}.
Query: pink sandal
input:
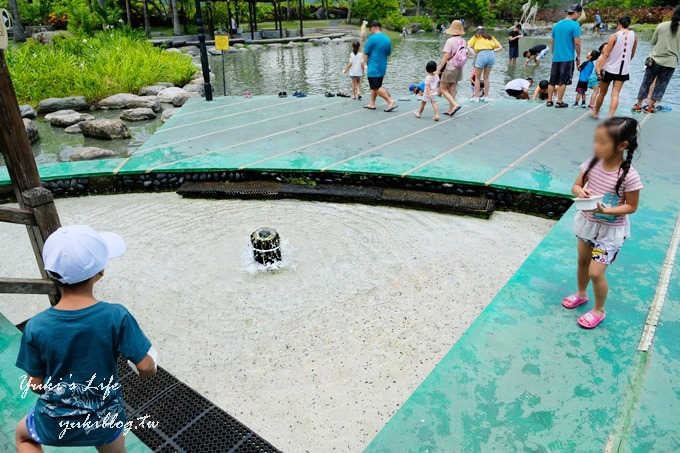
{"type": "Point", "coordinates": [573, 301]}
{"type": "Point", "coordinates": [590, 320]}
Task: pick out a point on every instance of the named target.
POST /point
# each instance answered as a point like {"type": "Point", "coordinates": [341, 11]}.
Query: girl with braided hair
{"type": "Point", "coordinates": [601, 232]}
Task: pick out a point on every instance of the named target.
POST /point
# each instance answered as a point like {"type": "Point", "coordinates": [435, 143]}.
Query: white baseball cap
{"type": "Point", "coordinates": [76, 253]}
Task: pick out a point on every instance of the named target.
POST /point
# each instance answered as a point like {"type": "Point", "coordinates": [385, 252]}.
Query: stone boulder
{"type": "Point", "coordinates": [27, 111]}
{"type": "Point", "coordinates": [168, 95]}
{"type": "Point", "coordinates": [173, 50]}
{"type": "Point", "coordinates": [167, 114]}
{"type": "Point", "coordinates": [50, 105]}
{"type": "Point", "coordinates": [138, 114]}
{"type": "Point", "coordinates": [31, 130]}
{"type": "Point", "coordinates": [75, 129]}
{"type": "Point", "coordinates": [129, 101]}
{"type": "Point", "coordinates": [182, 98]}
{"type": "Point", "coordinates": [66, 118]}
{"type": "Point", "coordinates": [92, 152]}
{"type": "Point", "coordinates": [151, 90]}
{"type": "Point", "coordinates": [195, 88]}
{"type": "Point", "coordinates": [165, 84]}
{"type": "Point", "coordinates": [191, 50]}
{"type": "Point", "coordinates": [46, 37]}
{"type": "Point", "coordinates": [105, 129]}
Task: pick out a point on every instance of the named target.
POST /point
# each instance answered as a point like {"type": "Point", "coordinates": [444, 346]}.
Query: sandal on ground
{"type": "Point", "coordinates": [549, 104]}
{"type": "Point", "coordinates": [392, 109]}
{"type": "Point", "coordinates": [368, 107]}
{"type": "Point", "coordinates": [649, 109]}
{"type": "Point", "coordinates": [590, 320]}
{"type": "Point", "coordinates": [636, 109]}
{"type": "Point", "coordinates": [329, 94]}
{"type": "Point", "coordinates": [573, 301]}
{"type": "Point", "coordinates": [561, 105]}
{"type": "Point", "coordinates": [341, 94]}
{"type": "Point", "coordinates": [283, 94]}
{"type": "Point", "coordinates": [454, 110]}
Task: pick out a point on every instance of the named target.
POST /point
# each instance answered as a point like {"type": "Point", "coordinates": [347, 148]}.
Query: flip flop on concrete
{"type": "Point", "coordinates": [454, 111]}
{"type": "Point", "coordinates": [369, 107]}
{"type": "Point", "coordinates": [590, 320]}
{"type": "Point", "coordinates": [392, 108]}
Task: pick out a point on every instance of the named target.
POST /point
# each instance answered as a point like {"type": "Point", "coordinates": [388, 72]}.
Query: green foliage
{"type": "Point", "coordinates": [472, 10]}
{"type": "Point", "coordinates": [376, 9]}
{"type": "Point", "coordinates": [395, 21]}
{"type": "Point", "coordinates": [424, 21]}
{"type": "Point", "coordinates": [94, 67]}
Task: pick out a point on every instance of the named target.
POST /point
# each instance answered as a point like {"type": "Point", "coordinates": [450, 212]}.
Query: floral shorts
{"type": "Point", "coordinates": [602, 252]}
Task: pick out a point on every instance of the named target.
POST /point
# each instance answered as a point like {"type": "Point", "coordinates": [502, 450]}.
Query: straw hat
{"type": "Point", "coordinates": [456, 28]}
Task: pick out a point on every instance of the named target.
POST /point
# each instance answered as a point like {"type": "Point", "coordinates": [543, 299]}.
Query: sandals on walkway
{"type": "Point", "coordinates": [561, 105]}
{"type": "Point", "coordinates": [573, 301]}
{"type": "Point", "coordinates": [590, 320]}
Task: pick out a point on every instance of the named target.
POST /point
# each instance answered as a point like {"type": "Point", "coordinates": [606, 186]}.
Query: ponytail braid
{"type": "Point", "coordinates": [625, 166]}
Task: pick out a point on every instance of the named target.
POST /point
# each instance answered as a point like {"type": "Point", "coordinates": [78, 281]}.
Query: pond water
{"type": "Point", "coordinates": [316, 69]}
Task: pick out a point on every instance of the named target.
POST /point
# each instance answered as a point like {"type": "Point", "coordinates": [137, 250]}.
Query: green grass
{"type": "Point", "coordinates": [94, 67]}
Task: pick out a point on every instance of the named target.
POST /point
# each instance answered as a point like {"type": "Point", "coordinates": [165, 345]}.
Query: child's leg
{"type": "Point", "coordinates": [435, 107]}
{"type": "Point", "coordinates": [600, 285]}
{"type": "Point", "coordinates": [593, 96]}
{"type": "Point", "coordinates": [24, 441]}
{"type": "Point", "coordinates": [421, 107]}
{"type": "Point", "coordinates": [117, 446]}
{"type": "Point", "coordinates": [585, 256]}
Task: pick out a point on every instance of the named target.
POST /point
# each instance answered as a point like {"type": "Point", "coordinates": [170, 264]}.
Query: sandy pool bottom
{"type": "Point", "coordinates": [317, 356]}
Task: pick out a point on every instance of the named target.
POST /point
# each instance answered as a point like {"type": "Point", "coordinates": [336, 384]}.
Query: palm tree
{"type": "Point", "coordinates": [17, 28]}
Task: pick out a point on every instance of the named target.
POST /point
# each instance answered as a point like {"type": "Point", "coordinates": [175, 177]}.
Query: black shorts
{"type": "Point", "coordinates": [608, 77]}
{"type": "Point", "coordinates": [582, 87]}
{"type": "Point", "coordinates": [561, 73]}
{"type": "Point", "coordinates": [514, 52]}
{"type": "Point", "coordinates": [514, 93]}
{"type": "Point", "coordinates": [375, 83]}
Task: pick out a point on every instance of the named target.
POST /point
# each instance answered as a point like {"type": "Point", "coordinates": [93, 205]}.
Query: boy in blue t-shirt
{"type": "Point", "coordinates": [585, 72]}
{"type": "Point", "coordinates": [69, 351]}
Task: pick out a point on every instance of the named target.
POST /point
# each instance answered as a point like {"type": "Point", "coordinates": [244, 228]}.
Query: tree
{"type": "Point", "coordinates": [471, 10]}
{"type": "Point", "coordinates": [175, 18]}
{"type": "Point", "coordinates": [376, 9]}
{"type": "Point", "coordinates": [17, 28]}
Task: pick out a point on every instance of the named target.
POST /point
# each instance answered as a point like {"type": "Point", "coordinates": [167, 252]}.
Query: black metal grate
{"type": "Point", "coordinates": [471, 205]}
{"type": "Point", "coordinates": [187, 421]}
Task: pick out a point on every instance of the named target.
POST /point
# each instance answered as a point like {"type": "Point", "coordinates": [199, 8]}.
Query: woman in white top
{"type": "Point", "coordinates": [355, 67]}
{"type": "Point", "coordinates": [613, 66]}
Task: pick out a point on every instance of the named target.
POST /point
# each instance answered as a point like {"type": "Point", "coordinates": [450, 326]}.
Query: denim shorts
{"type": "Point", "coordinates": [485, 59]}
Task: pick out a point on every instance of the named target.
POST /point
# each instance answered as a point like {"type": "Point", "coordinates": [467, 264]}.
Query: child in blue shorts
{"type": "Point", "coordinates": [586, 71]}
{"type": "Point", "coordinates": [69, 352]}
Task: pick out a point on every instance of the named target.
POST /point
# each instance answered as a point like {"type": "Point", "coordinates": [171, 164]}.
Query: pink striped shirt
{"type": "Point", "coordinates": [602, 182]}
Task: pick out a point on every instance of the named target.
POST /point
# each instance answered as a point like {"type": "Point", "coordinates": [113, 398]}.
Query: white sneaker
{"type": "Point", "coordinates": [484, 99]}
{"type": "Point", "coordinates": [474, 99]}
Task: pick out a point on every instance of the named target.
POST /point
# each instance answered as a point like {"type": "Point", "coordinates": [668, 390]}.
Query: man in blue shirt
{"type": "Point", "coordinates": [565, 45]}
{"type": "Point", "coordinates": [377, 48]}
{"type": "Point", "coordinates": [598, 22]}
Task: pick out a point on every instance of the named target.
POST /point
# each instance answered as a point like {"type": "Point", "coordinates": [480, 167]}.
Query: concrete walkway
{"type": "Point", "coordinates": [524, 377]}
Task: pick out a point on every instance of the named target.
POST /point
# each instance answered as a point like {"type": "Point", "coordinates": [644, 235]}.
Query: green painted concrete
{"type": "Point", "coordinates": [13, 406]}
{"type": "Point", "coordinates": [524, 377]}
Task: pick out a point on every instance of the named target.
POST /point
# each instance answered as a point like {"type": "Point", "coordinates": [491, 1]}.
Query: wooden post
{"type": "Point", "coordinates": [23, 171]}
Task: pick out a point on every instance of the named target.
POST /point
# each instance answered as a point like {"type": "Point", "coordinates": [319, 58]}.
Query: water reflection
{"type": "Point", "coordinates": [317, 69]}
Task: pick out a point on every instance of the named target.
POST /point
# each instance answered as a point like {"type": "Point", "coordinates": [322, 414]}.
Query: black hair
{"type": "Point", "coordinates": [620, 129]}
{"type": "Point", "coordinates": [601, 48]}
{"type": "Point", "coordinates": [355, 47]}
{"type": "Point", "coordinates": [376, 24]}
{"type": "Point", "coordinates": [675, 20]}
{"type": "Point", "coordinates": [530, 79]}
{"type": "Point", "coordinates": [483, 33]}
{"type": "Point", "coordinates": [543, 84]}
{"type": "Point", "coordinates": [431, 66]}
{"type": "Point", "coordinates": [594, 55]}
{"type": "Point", "coordinates": [55, 277]}
{"type": "Point", "coordinates": [526, 54]}
{"type": "Point", "coordinates": [518, 26]}
{"type": "Point", "coordinates": [624, 21]}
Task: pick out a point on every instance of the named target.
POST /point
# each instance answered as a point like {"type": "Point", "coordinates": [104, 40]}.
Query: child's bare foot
{"type": "Point", "coordinates": [417, 115]}
{"type": "Point", "coordinates": [436, 117]}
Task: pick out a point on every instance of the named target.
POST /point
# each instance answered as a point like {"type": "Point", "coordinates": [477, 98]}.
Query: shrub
{"type": "Point", "coordinates": [395, 21]}
{"type": "Point", "coordinates": [424, 21]}
{"type": "Point", "coordinates": [376, 9]}
{"type": "Point", "coordinates": [94, 67]}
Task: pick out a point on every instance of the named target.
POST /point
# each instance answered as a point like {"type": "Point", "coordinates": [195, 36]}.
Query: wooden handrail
{"type": "Point", "coordinates": [16, 215]}
{"type": "Point", "coordinates": [28, 286]}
